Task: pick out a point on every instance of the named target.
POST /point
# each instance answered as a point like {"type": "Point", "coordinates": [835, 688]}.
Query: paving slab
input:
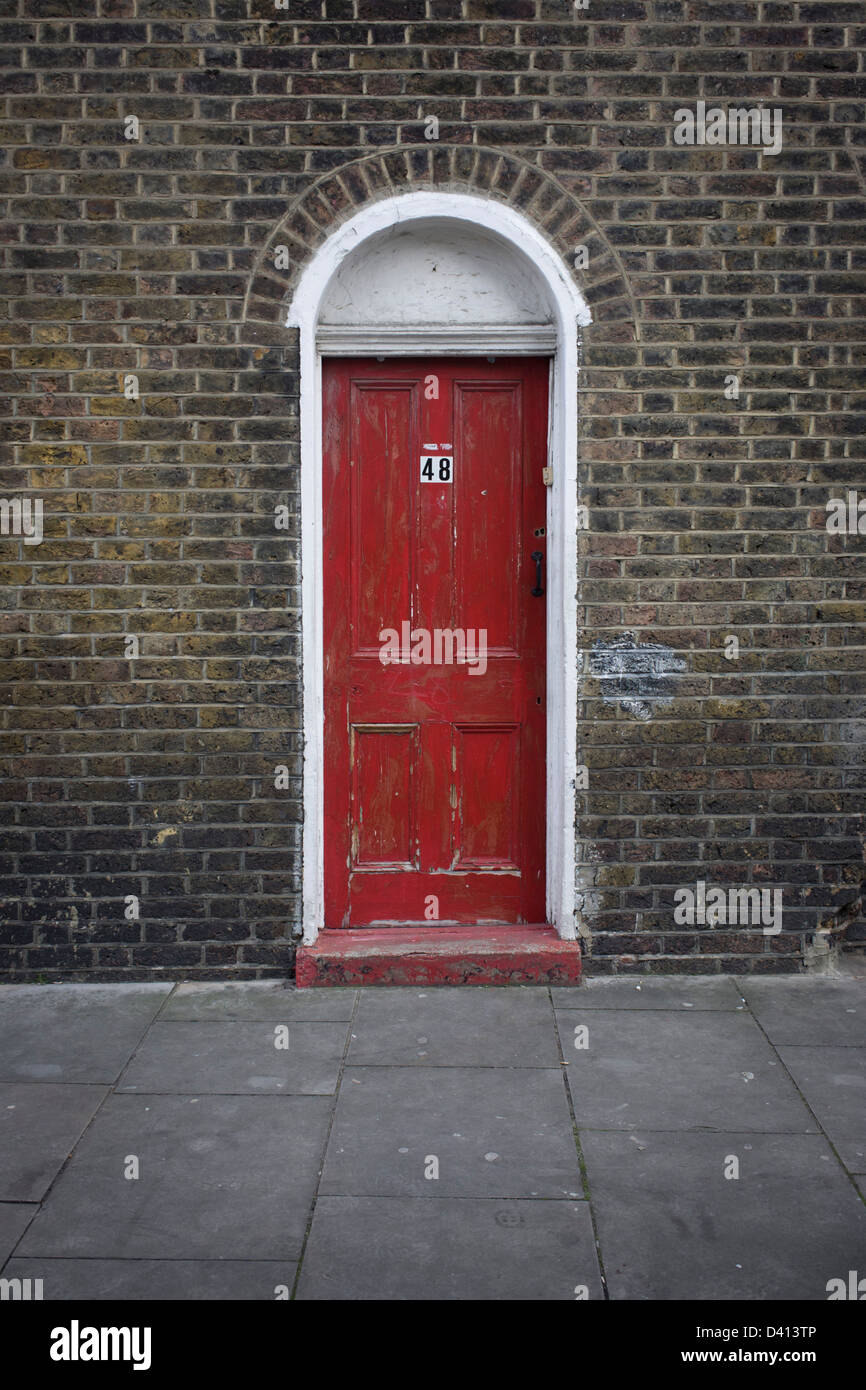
{"type": "Point", "coordinates": [236, 1058]}
{"type": "Point", "coordinates": [819, 1011]}
{"type": "Point", "coordinates": [258, 1000]}
{"type": "Point", "coordinates": [229, 1131]}
{"type": "Point", "coordinates": [39, 1125]}
{"type": "Point", "coordinates": [710, 1070]}
{"type": "Point", "coordinates": [833, 1080]}
{"type": "Point", "coordinates": [73, 1032]}
{"type": "Point", "coordinates": [221, 1177]}
{"type": "Point", "coordinates": [671, 1226]}
{"type": "Point", "coordinates": [495, 1133]}
{"type": "Point", "coordinates": [402, 1248]}
{"type": "Point", "coordinates": [15, 1217]}
{"type": "Point", "coordinates": [157, 1280]}
{"type": "Point", "coordinates": [692, 992]}
{"type": "Point", "coordinates": [455, 1027]}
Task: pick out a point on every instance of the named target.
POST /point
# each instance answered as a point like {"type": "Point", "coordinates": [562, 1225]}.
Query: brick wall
{"type": "Point", "coordinates": [721, 410]}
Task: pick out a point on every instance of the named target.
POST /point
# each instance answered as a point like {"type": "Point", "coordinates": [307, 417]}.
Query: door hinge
{"type": "Point", "coordinates": [547, 477]}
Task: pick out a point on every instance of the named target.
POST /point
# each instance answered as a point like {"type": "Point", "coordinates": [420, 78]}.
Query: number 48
{"type": "Point", "coordinates": [436, 470]}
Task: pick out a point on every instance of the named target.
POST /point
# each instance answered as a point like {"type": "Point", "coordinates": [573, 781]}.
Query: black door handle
{"type": "Point", "coordinates": [538, 557]}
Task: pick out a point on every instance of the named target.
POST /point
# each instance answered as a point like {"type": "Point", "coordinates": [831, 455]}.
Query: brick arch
{"type": "Point", "coordinates": [533, 192]}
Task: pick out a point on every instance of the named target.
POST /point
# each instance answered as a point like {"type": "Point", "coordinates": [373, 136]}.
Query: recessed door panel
{"type": "Point", "coordinates": [381, 516]}
{"type": "Point", "coordinates": [384, 797]}
{"type": "Point", "coordinates": [489, 503]}
{"type": "Point", "coordinates": [487, 766]}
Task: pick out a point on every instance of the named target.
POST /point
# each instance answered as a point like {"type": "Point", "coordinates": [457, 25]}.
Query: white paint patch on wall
{"type": "Point", "coordinates": [634, 675]}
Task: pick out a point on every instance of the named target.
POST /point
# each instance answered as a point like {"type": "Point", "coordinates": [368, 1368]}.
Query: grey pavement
{"type": "Point", "coordinates": [634, 1138]}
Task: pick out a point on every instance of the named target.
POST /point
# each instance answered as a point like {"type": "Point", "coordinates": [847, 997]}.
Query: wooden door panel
{"type": "Point", "coordinates": [489, 504]}
{"type": "Point", "coordinates": [385, 767]}
{"type": "Point", "coordinates": [381, 518]}
{"type": "Point", "coordinates": [486, 794]}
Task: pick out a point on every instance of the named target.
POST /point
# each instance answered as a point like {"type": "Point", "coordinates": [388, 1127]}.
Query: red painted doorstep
{"type": "Point", "coordinates": [482, 955]}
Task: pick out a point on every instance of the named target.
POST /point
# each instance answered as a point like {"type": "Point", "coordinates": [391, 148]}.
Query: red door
{"type": "Point", "coordinates": [434, 505]}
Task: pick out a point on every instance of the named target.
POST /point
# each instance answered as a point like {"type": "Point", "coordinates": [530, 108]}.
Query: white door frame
{"type": "Point", "coordinates": [571, 313]}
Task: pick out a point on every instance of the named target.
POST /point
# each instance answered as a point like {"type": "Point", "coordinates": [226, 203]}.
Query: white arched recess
{"type": "Point", "coordinates": [451, 219]}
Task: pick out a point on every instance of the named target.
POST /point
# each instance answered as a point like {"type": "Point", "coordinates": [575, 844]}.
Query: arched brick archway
{"type": "Point", "coordinates": [495, 174]}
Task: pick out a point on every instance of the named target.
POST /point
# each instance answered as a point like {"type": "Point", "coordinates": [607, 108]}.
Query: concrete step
{"type": "Point", "coordinates": [479, 955]}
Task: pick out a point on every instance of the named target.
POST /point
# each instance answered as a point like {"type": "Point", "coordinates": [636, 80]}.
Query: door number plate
{"type": "Point", "coordinates": [437, 465]}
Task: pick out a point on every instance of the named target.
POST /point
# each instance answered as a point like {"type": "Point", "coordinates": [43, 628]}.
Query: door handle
{"type": "Point", "coordinates": [538, 557]}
